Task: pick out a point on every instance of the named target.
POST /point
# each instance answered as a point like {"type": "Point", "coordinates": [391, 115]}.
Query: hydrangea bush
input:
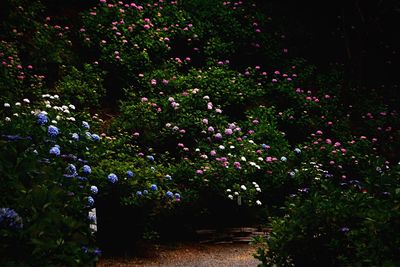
{"type": "Point", "coordinates": [203, 116]}
{"type": "Point", "coordinates": [46, 194]}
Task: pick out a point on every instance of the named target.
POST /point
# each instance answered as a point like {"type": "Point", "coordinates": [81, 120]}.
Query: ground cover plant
{"type": "Point", "coordinates": [167, 116]}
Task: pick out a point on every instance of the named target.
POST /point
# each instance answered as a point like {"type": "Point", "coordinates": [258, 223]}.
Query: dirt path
{"type": "Point", "coordinates": [192, 255]}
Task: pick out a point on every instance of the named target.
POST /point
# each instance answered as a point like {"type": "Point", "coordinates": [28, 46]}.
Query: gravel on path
{"type": "Point", "coordinates": [191, 255]}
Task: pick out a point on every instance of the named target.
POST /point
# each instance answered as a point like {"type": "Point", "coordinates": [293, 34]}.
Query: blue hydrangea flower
{"type": "Point", "coordinates": [75, 136]}
{"type": "Point", "coordinates": [139, 193]}
{"type": "Point", "coordinates": [87, 169]}
{"type": "Point", "coordinates": [145, 192]}
{"type": "Point", "coordinates": [55, 151]}
{"type": "Point", "coordinates": [81, 178]}
{"type": "Point", "coordinates": [177, 196]}
{"type": "Point", "coordinates": [97, 252]}
{"type": "Point", "coordinates": [151, 158]}
{"type": "Point", "coordinates": [130, 174]}
{"type": "Point", "coordinates": [94, 189]}
{"type": "Point", "coordinates": [9, 218]}
{"type": "Point", "coordinates": [92, 218]}
{"type": "Point", "coordinates": [90, 201]}
{"type": "Point", "coordinates": [153, 187]}
{"type": "Point", "coordinates": [169, 194]}
{"type": "Point", "coordinates": [10, 137]}
{"type": "Point", "coordinates": [264, 146]}
{"type": "Point", "coordinates": [71, 169]}
{"type": "Point", "coordinates": [53, 131]}
{"type": "Point", "coordinates": [85, 125]}
{"type": "Point", "coordinates": [95, 137]}
{"type": "Point", "coordinates": [112, 178]}
{"type": "Point", "coordinates": [42, 119]}
{"type": "Point", "coordinates": [85, 249]}
{"type": "Point", "coordinates": [297, 150]}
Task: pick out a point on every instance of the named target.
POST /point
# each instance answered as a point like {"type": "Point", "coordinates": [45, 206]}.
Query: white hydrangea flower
{"type": "Point", "coordinates": [228, 190]}
{"type": "Point", "coordinates": [72, 107]}
{"type": "Point", "coordinates": [6, 105]}
{"type": "Point", "coordinates": [243, 187]}
{"type": "Point", "coordinates": [26, 100]}
{"type": "Point", "coordinates": [230, 196]}
{"type": "Point", "coordinates": [243, 158]}
{"type": "Point", "coordinates": [18, 104]}
{"type": "Point", "coordinates": [221, 147]}
{"type": "Point", "coordinates": [258, 202]}
{"type": "Point", "coordinates": [7, 119]}
{"type": "Point", "coordinates": [258, 189]}
{"type": "Point", "coordinates": [236, 193]}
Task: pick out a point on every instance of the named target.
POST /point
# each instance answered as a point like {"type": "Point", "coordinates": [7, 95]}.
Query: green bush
{"type": "Point", "coordinates": [43, 180]}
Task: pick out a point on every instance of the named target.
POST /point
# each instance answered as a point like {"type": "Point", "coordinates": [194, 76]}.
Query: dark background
{"type": "Point", "coordinates": [362, 35]}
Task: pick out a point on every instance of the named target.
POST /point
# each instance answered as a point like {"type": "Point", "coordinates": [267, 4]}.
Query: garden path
{"type": "Point", "coordinates": [192, 255]}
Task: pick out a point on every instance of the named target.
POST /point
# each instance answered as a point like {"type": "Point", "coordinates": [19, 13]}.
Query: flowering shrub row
{"type": "Point", "coordinates": [201, 112]}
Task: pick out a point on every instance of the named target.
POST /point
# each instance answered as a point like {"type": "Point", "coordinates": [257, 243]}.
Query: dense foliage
{"type": "Point", "coordinates": [191, 113]}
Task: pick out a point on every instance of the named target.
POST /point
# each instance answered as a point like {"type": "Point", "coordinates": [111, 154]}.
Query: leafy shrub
{"type": "Point", "coordinates": [43, 180]}
{"type": "Point", "coordinates": [333, 227]}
